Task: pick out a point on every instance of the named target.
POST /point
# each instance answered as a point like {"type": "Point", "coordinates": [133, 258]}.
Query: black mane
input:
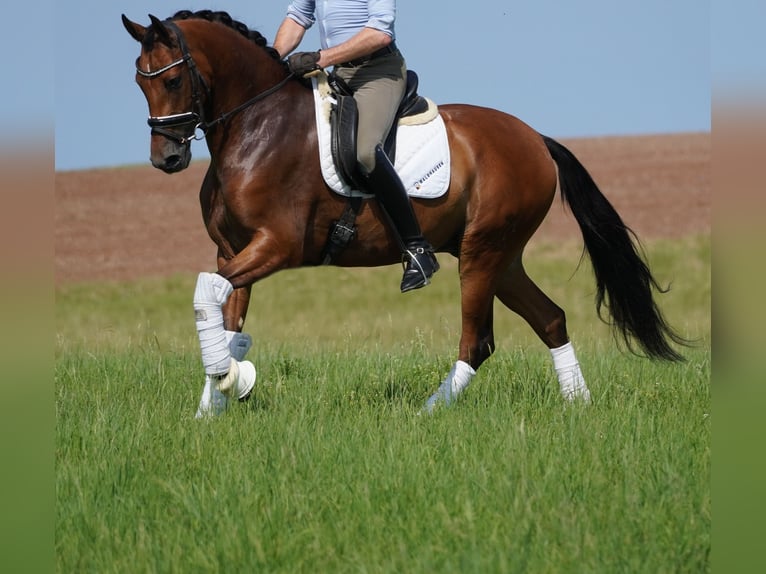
{"type": "Point", "coordinates": [225, 19]}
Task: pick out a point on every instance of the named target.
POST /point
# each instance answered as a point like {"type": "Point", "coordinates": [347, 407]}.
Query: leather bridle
{"type": "Point", "coordinates": [164, 125]}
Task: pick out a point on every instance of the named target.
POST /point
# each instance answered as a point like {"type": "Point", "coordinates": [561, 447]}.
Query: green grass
{"type": "Point", "coordinates": [330, 468]}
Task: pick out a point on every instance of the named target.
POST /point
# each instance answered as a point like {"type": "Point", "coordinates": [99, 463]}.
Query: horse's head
{"type": "Point", "coordinates": [173, 88]}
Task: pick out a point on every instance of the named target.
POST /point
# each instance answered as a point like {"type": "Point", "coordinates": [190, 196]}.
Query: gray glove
{"type": "Point", "coordinates": [301, 63]}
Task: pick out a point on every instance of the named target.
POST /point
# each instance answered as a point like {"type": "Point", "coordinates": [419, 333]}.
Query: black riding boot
{"type": "Point", "coordinates": [420, 261]}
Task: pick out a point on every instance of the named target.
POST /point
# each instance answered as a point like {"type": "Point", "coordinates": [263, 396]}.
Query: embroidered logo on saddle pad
{"type": "Point", "coordinates": [422, 152]}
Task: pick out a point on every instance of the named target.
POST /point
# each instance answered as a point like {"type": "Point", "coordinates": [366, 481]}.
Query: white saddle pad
{"type": "Point", "coordinates": [422, 151]}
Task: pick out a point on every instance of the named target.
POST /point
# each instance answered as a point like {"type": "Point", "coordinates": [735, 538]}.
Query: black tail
{"type": "Point", "coordinates": [624, 283]}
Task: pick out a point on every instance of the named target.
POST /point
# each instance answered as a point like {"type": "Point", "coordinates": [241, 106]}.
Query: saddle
{"type": "Point", "coordinates": [414, 112]}
{"type": "Point", "coordinates": [344, 121]}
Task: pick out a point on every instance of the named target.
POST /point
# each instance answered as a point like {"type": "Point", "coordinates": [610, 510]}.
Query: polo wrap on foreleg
{"type": "Point", "coordinates": [211, 293]}
{"type": "Point", "coordinates": [240, 379]}
{"type": "Point", "coordinates": [213, 402]}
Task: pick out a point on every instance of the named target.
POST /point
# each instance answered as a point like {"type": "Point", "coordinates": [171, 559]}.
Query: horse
{"type": "Point", "coordinates": [267, 208]}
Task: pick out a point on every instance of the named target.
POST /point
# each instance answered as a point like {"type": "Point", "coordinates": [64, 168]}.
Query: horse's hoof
{"type": "Point", "coordinates": [443, 397]}
{"type": "Point", "coordinates": [578, 394]}
{"type": "Point", "coordinates": [212, 403]}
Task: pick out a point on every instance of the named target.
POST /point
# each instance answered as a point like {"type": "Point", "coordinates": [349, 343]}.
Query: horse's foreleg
{"type": "Point", "coordinates": [223, 299]}
{"type": "Point", "coordinates": [522, 296]}
{"type": "Point", "coordinates": [235, 309]}
{"type": "Point", "coordinates": [213, 401]}
{"type": "Point", "coordinates": [227, 375]}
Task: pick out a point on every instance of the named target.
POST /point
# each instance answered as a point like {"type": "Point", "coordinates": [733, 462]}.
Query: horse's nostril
{"type": "Point", "coordinates": [173, 163]}
{"type": "Point", "coordinates": [173, 160]}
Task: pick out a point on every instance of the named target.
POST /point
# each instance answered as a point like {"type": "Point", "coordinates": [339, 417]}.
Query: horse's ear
{"type": "Point", "coordinates": [162, 33]}
{"type": "Point", "coordinates": [135, 30]}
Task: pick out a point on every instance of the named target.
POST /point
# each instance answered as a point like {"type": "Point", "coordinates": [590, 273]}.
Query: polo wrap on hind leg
{"type": "Point", "coordinates": [571, 380]}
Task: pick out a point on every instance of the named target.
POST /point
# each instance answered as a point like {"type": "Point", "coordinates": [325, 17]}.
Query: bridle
{"type": "Point", "coordinates": [164, 125]}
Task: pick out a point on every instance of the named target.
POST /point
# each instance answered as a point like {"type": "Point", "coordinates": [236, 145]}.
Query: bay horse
{"type": "Point", "coordinates": [267, 208]}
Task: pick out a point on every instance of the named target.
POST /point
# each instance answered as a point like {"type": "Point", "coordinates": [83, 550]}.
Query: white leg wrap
{"type": "Point", "coordinates": [458, 379]}
{"type": "Point", "coordinates": [213, 402]}
{"type": "Point", "coordinates": [571, 380]}
{"type": "Point", "coordinates": [211, 292]}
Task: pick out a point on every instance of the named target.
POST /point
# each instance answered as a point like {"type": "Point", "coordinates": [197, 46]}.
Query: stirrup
{"type": "Point", "coordinates": [419, 266]}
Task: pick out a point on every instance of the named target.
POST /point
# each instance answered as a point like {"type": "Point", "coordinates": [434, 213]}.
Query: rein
{"type": "Point", "coordinates": [160, 124]}
{"type": "Point", "coordinates": [226, 115]}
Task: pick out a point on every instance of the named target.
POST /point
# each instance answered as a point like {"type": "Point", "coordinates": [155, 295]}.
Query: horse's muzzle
{"type": "Point", "coordinates": [172, 164]}
{"type": "Point", "coordinates": [170, 157]}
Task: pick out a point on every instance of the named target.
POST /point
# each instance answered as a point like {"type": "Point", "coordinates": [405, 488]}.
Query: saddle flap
{"type": "Point", "coordinates": [344, 120]}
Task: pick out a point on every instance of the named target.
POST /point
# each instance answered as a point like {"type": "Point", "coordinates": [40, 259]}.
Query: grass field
{"type": "Point", "coordinates": [330, 467]}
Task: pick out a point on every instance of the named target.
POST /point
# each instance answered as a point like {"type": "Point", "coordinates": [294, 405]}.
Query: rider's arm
{"type": "Point", "coordinates": [288, 37]}
{"type": "Point", "coordinates": [300, 17]}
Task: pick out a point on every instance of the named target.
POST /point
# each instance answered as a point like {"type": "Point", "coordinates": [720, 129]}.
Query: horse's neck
{"type": "Point", "coordinates": [235, 82]}
{"type": "Point", "coordinates": [245, 76]}
{"type": "Point", "coordinates": [249, 137]}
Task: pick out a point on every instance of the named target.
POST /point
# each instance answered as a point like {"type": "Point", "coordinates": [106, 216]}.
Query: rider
{"type": "Point", "coordinates": [357, 38]}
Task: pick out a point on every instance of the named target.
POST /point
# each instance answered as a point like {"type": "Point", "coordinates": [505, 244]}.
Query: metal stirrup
{"type": "Point", "coordinates": [414, 259]}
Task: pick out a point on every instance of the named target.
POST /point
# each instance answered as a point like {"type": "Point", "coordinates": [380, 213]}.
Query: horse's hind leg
{"type": "Point", "coordinates": [477, 339]}
{"type": "Point", "coordinates": [521, 295]}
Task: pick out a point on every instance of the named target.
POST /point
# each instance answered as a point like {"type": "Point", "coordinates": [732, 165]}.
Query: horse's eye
{"type": "Point", "coordinates": [173, 83]}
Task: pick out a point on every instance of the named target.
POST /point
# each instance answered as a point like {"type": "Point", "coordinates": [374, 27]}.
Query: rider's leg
{"type": "Point", "coordinates": [378, 88]}
{"type": "Point", "coordinates": [420, 262]}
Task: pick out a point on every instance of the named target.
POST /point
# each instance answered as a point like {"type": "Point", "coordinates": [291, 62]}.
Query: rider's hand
{"type": "Point", "coordinates": [301, 63]}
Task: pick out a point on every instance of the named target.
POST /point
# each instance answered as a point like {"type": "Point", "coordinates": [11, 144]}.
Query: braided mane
{"type": "Point", "coordinates": [225, 19]}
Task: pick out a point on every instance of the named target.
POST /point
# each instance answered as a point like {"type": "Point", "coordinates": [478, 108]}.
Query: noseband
{"type": "Point", "coordinates": [163, 124]}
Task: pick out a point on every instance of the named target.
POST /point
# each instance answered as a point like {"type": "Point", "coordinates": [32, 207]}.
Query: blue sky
{"type": "Point", "coordinates": [569, 68]}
